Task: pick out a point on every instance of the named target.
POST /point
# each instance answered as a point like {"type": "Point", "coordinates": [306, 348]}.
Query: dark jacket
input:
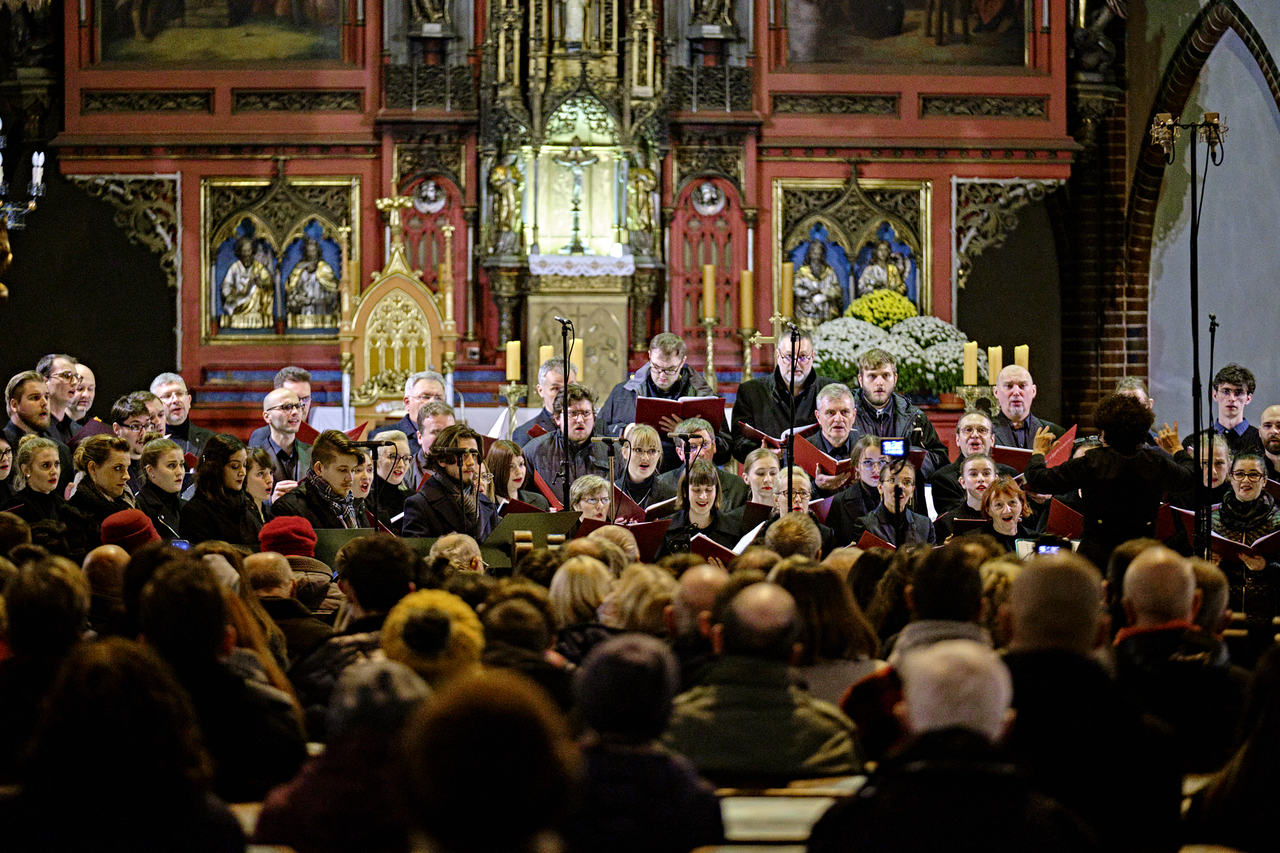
{"type": "Point", "coordinates": [1005, 436]}
{"type": "Point", "coordinates": [1248, 441]}
{"type": "Point", "coordinates": [656, 489]}
{"type": "Point", "coordinates": [238, 522]}
{"type": "Point", "coordinates": [945, 484]}
{"type": "Point", "coordinates": [309, 501]}
{"type": "Point", "coordinates": [13, 434]}
{"type": "Point", "coordinates": [546, 455]}
{"type": "Point", "coordinates": [948, 790]}
{"type": "Point", "coordinates": [619, 409]}
{"type": "Point", "coordinates": [555, 678]}
{"type": "Point", "coordinates": [878, 522]}
{"type": "Point", "coordinates": [847, 508]}
{"type": "Point", "coordinates": [574, 642]}
{"type": "Point", "coordinates": [94, 506]}
{"type": "Point", "coordinates": [298, 465]}
{"type": "Point", "coordinates": [765, 404]}
{"type": "Point", "coordinates": [682, 531]}
{"type": "Point", "coordinates": [406, 426]}
{"type": "Point", "coordinates": [642, 799]}
{"type": "Point", "coordinates": [303, 632]}
{"type": "Point", "coordinates": [818, 440]}
{"type": "Point", "coordinates": [734, 492]}
{"type": "Point", "coordinates": [944, 525]}
{"type": "Point", "coordinates": [190, 437]}
{"type": "Point", "coordinates": [903, 420]}
{"type": "Point", "coordinates": [1182, 676]}
{"type": "Point", "coordinates": [544, 419]}
{"type": "Point", "coordinates": [32, 506]}
{"type": "Point", "coordinates": [163, 508]}
{"type": "Point", "coordinates": [386, 502]}
{"type": "Point", "coordinates": [315, 675]}
{"type": "Point", "coordinates": [1121, 492]}
{"type": "Point", "coordinates": [437, 509]}
{"type": "Point", "coordinates": [1083, 744]}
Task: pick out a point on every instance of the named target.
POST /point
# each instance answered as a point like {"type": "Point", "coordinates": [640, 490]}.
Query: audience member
{"type": "Point", "coordinates": [519, 631]}
{"type": "Point", "coordinates": [638, 600]}
{"type": "Point", "coordinates": [271, 578]}
{"type": "Point", "coordinates": [578, 588]}
{"type": "Point", "coordinates": [944, 596]}
{"type": "Point", "coordinates": [294, 538]}
{"type": "Point", "coordinates": [436, 634]}
{"type": "Point", "coordinates": [688, 621]}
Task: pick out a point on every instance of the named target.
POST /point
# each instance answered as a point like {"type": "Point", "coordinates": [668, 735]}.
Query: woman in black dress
{"type": "Point", "coordinates": [36, 496]}
{"type": "Point", "coordinates": [164, 467]}
{"type": "Point", "coordinates": [104, 488]}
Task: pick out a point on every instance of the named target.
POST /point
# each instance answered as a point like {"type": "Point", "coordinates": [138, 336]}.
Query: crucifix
{"type": "Point", "coordinates": [576, 160]}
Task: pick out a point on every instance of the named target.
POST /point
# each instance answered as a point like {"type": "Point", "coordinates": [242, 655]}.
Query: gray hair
{"type": "Point", "coordinates": [550, 365]}
{"type": "Point", "coordinates": [415, 378]}
{"type": "Point", "coordinates": [166, 379]}
{"type": "Point", "coordinates": [834, 391]}
{"type": "Point", "coordinates": [956, 683]}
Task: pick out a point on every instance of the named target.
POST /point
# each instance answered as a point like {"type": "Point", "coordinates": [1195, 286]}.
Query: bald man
{"type": "Point", "coordinates": [1015, 426]}
{"type": "Point", "coordinates": [747, 724]}
{"type": "Point", "coordinates": [104, 569]}
{"type": "Point", "coordinates": [688, 620]}
{"type": "Point", "coordinates": [1170, 668]}
{"type": "Point", "coordinates": [272, 579]}
{"type": "Point", "coordinates": [290, 458]}
{"type": "Point", "coordinates": [1269, 434]}
{"type": "Point", "coordinates": [1075, 735]}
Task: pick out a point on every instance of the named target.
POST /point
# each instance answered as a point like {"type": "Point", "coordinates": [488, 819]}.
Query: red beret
{"type": "Point", "coordinates": [128, 528]}
{"type": "Point", "coordinates": [290, 535]}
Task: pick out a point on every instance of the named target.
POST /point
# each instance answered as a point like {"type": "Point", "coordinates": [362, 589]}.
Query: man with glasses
{"type": "Point", "coordinates": [975, 435]}
{"type": "Point", "coordinates": [765, 403]}
{"type": "Point", "coordinates": [696, 435]}
{"type": "Point", "coordinates": [668, 376]}
{"type": "Point", "coordinates": [1233, 388]}
{"type": "Point", "coordinates": [546, 452]}
{"type": "Point", "coordinates": [887, 414]}
{"type": "Point", "coordinates": [297, 380]}
{"type": "Point", "coordinates": [131, 420]}
{"type": "Point", "coordinates": [171, 389]}
{"type": "Point", "coordinates": [550, 383]}
{"type": "Point", "coordinates": [425, 386]}
{"type": "Point", "coordinates": [290, 458]}
{"type": "Point", "coordinates": [59, 372]}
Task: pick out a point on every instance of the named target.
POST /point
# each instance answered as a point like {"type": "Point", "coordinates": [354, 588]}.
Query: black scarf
{"type": "Point", "coordinates": [1251, 518]}
{"type": "Point", "coordinates": [342, 508]}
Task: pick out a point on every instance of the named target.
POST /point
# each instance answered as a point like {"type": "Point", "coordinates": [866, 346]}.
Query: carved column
{"type": "Point", "coordinates": [644, 287]}
{"type": "Point", "coordinates": [504, 283]}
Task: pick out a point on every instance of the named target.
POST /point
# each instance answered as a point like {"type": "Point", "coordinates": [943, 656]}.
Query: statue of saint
{"type": "Point", "coordinates": [640, 209]}
{"type": "Point", "coordinates": [714, 12]}
{"type": "Point", "coordinates": [429, 198]}
{"type": "Point", "coordinates": [506, 181]}
{"type": "Point", "coordinates": [818, 296]}
{"type": "Point", "coordinates": [311, 291]}
{"type": "Point", "coordinates": [430, 11]}
{"type": "Point", "coordinates": [248, 291]}
{"type": "Point", "coordinates": [886, 271]}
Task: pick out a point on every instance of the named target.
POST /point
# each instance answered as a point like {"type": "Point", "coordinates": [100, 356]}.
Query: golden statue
{"type": "Point", "coordinates": [640, 209]}
{"type": "Point", "coordinates": [885, 272]}
{"type": "Point", "coordinates": [248, 291]}
{"type": "Point", "coordinates": [818, 296]}
{"type": "Point", "coordinates": [311, 292]}
{"type": "Point", "coordinates": [506, 181]}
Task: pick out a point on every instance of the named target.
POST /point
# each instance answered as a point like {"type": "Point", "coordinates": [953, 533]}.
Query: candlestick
{"type": "Point", "coordinates": [513, 393]}
{"type": "Point", "coordinates": [747, 337]}
{"type": "Point", "coordinates": [746, 296]}
{"type": "Point", "coordinates": [709, 327]}
{"type": "Point", "coordinates": [971, 363]}
{"type": "Point", "coordinates": [709, 290]}
{"type": "Point", "coordinates": [1022, 356]}
{"type": "Point", "coordinates": [788, 291]}
{"type": "Point", "coordinates": [37, 173]}
{"type": "Point", "coordinates": [545, 354]}
{"type": "Point", "coordinates": [513, 361]}
{"type": "Point", "coordinates": [995, 361]}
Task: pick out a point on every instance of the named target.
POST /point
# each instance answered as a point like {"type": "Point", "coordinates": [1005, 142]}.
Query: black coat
{"type": "Point", "coordinates": [307, 502]}
{"type": "Point", "coordinates": [847, 508]}
{"type": "Point", "coordinates": [546, 456]}
{"type": "Point", "coordinates": [1005, 436]}
{"type": "Point", "coordinates": [202, 519]}
{"type": "Point", "coordinates": [94, 506]}
{"type": "Point", "coordinates": [903, 420]}
{"type": "Point", "coordinates": [303, 632]}
{"type": "Point", "coordinates": [163, 508]}
{"type": "Point", "coordinates": [878, 522]}
{"type": "Point", "coordinates": [682, 531]}
{"type": "Point", "coordinates": [734, 491]}
{"type": "Point", "coordinates": [437, 509]}
{"type": "Point", "coordinates": [765, 404]}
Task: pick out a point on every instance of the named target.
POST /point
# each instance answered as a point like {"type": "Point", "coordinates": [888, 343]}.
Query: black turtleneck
{"type": "Point", "coordinates": [163, 508]}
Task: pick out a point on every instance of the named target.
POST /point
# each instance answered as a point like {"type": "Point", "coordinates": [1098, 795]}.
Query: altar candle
{"type": "Point", "coordinates": [746, 293]}
{"type": "Point", "coordinates": [545, 353]}
{"type": "Point", "coordinates": [1022, 356]}
{"type": "Point", "coordinates": [709, 291]}
{"type": "Point", "coordinates": [513, 361]}
{"type": "Point", "coordinates": [576, 349]}
{"type": "Point", "coordinates": [787, 308]}
{"type": "Point", "coordinates": [445, 289]}
{"type": "Point", "coordinates": [995, 361]}
{"type": "Point", "coordinates": [971, 363]}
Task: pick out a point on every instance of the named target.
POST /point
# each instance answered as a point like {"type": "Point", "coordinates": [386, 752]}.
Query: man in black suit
{"type": "Point", "coordinates": [172, 391]}
{"type": "Point", "coordinates": [765, 403]}
{"type": "Point", "coordinates": [974, 434]}
{"type": "Point", "coordinates": [1015, 426]}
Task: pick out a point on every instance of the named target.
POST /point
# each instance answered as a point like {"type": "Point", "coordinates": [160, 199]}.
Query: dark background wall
{"type": "Point", "coordinates": [77, 285]}
{"type": "Point", "coordinates": [1013, 297]}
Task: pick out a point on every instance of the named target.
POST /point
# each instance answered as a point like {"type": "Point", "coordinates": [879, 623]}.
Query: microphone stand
{"type": "Point", "coordinates": [1204, 510]}
{"type": "Point", "coordinates": [791, 416]}
{"type": "Point", "coordinates": [566, 327]}
{"type": "Point", "coordinates": [611, 442]}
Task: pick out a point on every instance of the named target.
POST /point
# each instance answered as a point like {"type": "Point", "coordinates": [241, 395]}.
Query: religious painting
{"type": "Point", "coordinates": [162, 32]}
{"type": "Point", "coordinates": [857, 34]}
{"type": "Point", "coordinates": [273, 256]}
{"type": "Point", "coordinates": [848, 238]}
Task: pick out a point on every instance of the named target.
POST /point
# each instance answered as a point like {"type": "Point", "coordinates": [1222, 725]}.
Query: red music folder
{"type": "Point", "coordinates": [810, 459]}
{"type": "Point", "coordinates": [652, 410]}
{"type": "Point", "coordinates": [775, 442]}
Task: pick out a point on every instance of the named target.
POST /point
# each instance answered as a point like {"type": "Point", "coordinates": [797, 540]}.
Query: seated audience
{"type": "Point", "coordinates": [436, 634]}
{"type": "Point", "coordinates": [578, 588]}
{"type": "Point", "coordinates": [220, 509]}
{"type": "Point", "coordinates": [747, 723]}
{"type": "Point", "coordinates": [271, 578]}
{"type": "Point", "coordinates": [519, 632]}
{"type": "Point", "coordinates": [638, 600]}
{"type": "Point", "coordinates": [294, 538]}
{"type": "Point", "coordinates": [104, 569]}
{"type": "Point", "coordinates": [688, 621]}
{"type": "Point", "coordinates": [130, 529]}
{"type": "Point", "coordinates": [948, 787]}
{"type": "Point", "coordinates": [636, 796]}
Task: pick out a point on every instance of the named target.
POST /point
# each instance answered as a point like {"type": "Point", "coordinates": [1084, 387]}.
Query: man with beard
{"type": "Point", "coordinates": [85, 393]}
{"type": "Point", "coordinates": [974, 434]}
{"type": "Point", "coordinates": [172, 391]}
{"type": "Point", "coordinates": [27, 399]}
{"type": "Point", "coordinates": [766, 403]}
{"type": "Point", "coordinates": [887, 414]}
{"type": "Point", "coordinates": [290, 458]}
{"type": "Point", "coordinates": [1233, 388]}
{"type": "Point", "coordinates": [1269, 433]}
{"type": "Point", "coordinates": [546, 452]}
{"type": "Point", "coordinates": [667, 376]}
{"type": "Point", "coordinates": [59, 372]}
{"type": "Point", "coordinates": [1015, 426]}
{"type": "Point", "coordinates": [449, 501]}
{"type": "Point", "coordinates": [297, 380]}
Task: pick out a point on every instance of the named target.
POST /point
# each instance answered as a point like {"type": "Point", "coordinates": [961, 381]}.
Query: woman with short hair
{"type": "Point", "coordinates": [1006, 507]}
{"type": "Point", "coordinates": [643, 457]}
{"type": "Point", "coordinates": [893, 519]}
{"type": "Point", "coordinates": [220, 508]}
{"type": "Point", "coordinates": [164, 467]}
{"type": "Point", "coordinates": [590, 496]}
{"type": "Point", "coordinates": [699, 511]}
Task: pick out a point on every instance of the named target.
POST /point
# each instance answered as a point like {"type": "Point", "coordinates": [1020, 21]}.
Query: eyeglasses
{"type": "Point", "coordinates": [135, 427]}
{"type": "Point", "coordinates": [172, 395]}
{"type": "Point", "coordinates": [656, 369]}
{"type": "Point", "coordinates": [581, 414]}
{"type": "Point", "coordinates": [421, 398]}
{"type": "Point", "coordinates": [286, 407]}
{"type": "Point", "coordinates": [594, 501]}
{"type": "Point", "coordinates": [66, 376]}
{"type": "Point", "coordinates": [803, 358]}
{"type": "Point", "coordinates": [800, 493]}
{"type": "Point", "coordinates": [647, 453]}
{"type": "Point", "coordinates": [975, 430]}
{"type": "Point", "coordinates": [1250, 476]}
{"type": "Point", "coordinates": [397, 459]}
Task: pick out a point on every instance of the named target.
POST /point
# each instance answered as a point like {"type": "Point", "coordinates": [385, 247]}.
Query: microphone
{"type": "Point", "coordinates": [564, 321]}
{"type": "Point", "coordinates": [1213, 322]}
{"type": "Point", "coordinates": [610, 439]}
{"type": "Point", "coordinates": [374, 443]}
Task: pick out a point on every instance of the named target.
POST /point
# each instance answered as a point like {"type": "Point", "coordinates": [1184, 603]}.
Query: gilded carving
{"type": "Point", "coordinates": [693, 160]}
{"type": "Point", "coordinates": [986, 213]}
{"type": "Point", "coordinates": [295, 100]}
{"type": "Point", "coordinates": [986, 106]}
{"type": "Point", "coordinates": [870, 105]}
{"type": "Point", "coordinates": [145, 101]}
{"type": "Point", "coordinates": [146, 209]}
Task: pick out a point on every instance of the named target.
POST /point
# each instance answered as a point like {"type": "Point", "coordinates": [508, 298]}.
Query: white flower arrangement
{"type": "Point", "coordinates": [929, 352]}
{"type": "Point", "coordinates": [944, 366]}
{"type": "Point", "coordinates": [928, 330]}
{"type": "Point", "coordinates": [838, 343]}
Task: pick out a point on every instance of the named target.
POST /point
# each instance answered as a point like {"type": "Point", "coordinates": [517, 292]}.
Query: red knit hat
{"type": "Point", "coordinates": [290, 535]}
{"type": "Point", "coordinates": [128, 528]}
